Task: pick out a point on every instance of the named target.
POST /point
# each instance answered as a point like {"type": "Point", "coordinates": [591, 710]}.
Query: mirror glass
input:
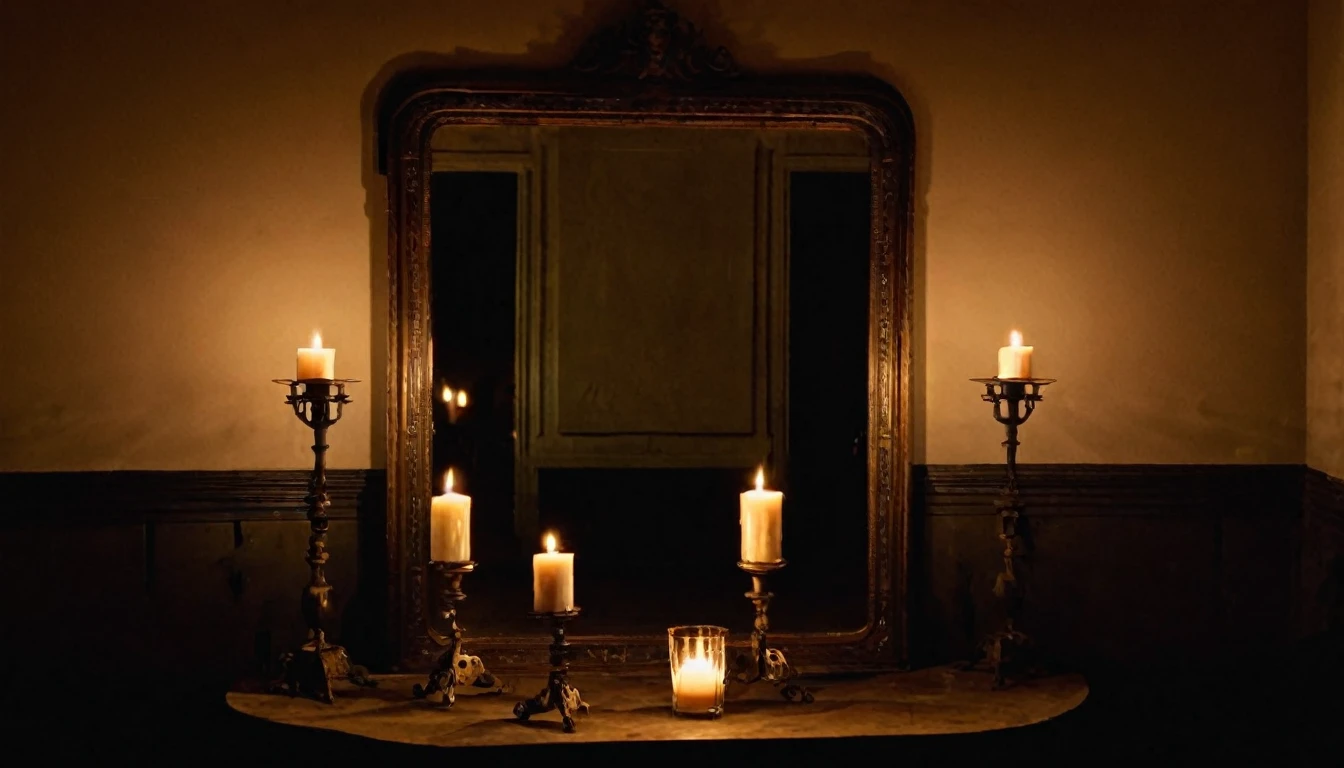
{"type": "Point", "coordinates": [627, 322]}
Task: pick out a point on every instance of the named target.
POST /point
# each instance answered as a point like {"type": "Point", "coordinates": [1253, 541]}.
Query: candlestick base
{"type": "Point", "coordinates": [764, 663]}
{"type": "Point", "coordinates": [1008, 651]}
{"type": "Point", "coordinates": [558, 693]}
{"type": "Point", "coordinates": [454, 668]}
{"type": "Point", "coordinates": [310, 670]}
{"type": "Point", "coordinates": [318, 403]}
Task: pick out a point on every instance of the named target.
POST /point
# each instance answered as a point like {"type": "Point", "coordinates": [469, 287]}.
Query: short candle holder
{"type": "Point", "coordinates": [309, 671]}
{"type": "Point", "coordinates": [558, 693]}
{"type": "Point", "coordinates": [763, 662]}
{"type": "Point", "coordinates": [454, 668]}
{"type": "Point", "coordinates": [1014, 401]}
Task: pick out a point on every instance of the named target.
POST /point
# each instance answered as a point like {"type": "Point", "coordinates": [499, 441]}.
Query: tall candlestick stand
{"type": "Point", "coordinates": [309, 671]}
{"type": "Point", "coordinates": [558, 693]}
{"type": "Point", "coordinates": [1014, 400]}
{"type": "Point", "coordinates": [454, 667]}
{"type": "Point", "coordinates": [763, 662]}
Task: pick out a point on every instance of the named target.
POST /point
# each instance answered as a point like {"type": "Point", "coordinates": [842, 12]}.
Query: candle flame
{"type": "Point", "coordinates": [462, 398]}
{"type": "Point", "coordinates": [1014, 339]}
{"type": "Point", "coordinates": [447, 394]}
{"type": "Point", "coordinates": [760, 478]}
{"type": "Point", "coordinates": [448, 482]}
{"type": "Point", "coordinates": [550, 542]}
{"type": "Point", "coordinates": [317, 340]}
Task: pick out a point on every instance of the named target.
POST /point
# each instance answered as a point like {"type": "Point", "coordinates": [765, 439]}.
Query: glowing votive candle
{"type": "Point", "coordinates": [1015, 359]}
{"type": "Point", "coordinates": [762, 523]}
{"type": "Point", "coordinates": [697, 656]}
{"type": "Point", "coordinates": [315, 362]}
{"type": "Point", "coordinates": [552, 579]}
{"type": "Point", "coordinates": [450, 525]}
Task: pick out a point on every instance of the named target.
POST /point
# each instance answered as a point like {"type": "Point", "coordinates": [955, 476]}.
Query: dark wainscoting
{"type": "Point", "coordinates": [191, 577]}
{"type": "Point", "coordinates": [1128, 563]}
{"type": "Point", "coordinates": [198, 573]}
{"type": "Point", "coordinates": [1322, 586]}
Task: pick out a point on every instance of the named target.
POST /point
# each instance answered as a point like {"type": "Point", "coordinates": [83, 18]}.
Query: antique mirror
{"type": "Point", "coordinates": [618, 290]}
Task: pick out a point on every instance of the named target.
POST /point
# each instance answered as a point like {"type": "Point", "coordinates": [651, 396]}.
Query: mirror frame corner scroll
{"type": "Point", "coordinates": [653, 68]}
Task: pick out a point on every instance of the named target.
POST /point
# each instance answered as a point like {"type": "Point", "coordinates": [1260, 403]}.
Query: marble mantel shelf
{"type": "Point", "coordinates": [940, 700]}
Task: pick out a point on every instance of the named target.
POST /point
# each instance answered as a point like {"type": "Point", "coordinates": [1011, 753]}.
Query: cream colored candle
{"type": "Point", "coordinates": [1015, 359]}
{"type": "Point", "coordinates": [696, 685]}
{"type": "Point", "coordinates": [456, 403]}
{"type": "Point", "coordinates": [316, 362]}
{"type": "Point", "coordinates": [762, 523]}
{"type": "Point", "coordinates": [450, 525]}
{"type": "Point", "coordinates": [552, 579]}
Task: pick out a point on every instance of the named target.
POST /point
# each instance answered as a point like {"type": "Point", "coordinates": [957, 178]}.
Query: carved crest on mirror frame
{"type": "Point", "coordinates": [654, 43]}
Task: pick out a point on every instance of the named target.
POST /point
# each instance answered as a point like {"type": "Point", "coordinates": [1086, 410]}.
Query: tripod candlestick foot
{"type": "Point", "coordinates": [558, 693]}
{"type": "Point", "coordinates": [763, 662]}
{"type": "Point", "coordinates": [455, 668]}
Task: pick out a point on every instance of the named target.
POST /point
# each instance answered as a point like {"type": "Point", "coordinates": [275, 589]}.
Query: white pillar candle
{"type": "Point", "coordinates": [552, 579]}
{"type": "Point", "coordinates": [315, 362]}
{"type": "Point", "coordinates": [696, 685]}
{"type": "Point", "coordinates": [1015, 359]}
{"type": "Point", "coordinates": [450, 525]}
{"type": "Point", "coordinates": [762, 523]}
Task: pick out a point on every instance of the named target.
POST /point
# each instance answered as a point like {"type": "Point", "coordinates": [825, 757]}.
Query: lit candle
{"type": "Point", "coordinates": [450, 525]}
{"type": "Point", "coordinates": [316, 362]}
{"type": "Point", "coordinates": [456, 403]}
{"type": "Point", "coordinates": [697, 685]}
{"type": "Point", "coordinates": [1015, 359]}
{"type": "Point", "coordinates": [552, 579]}
{"type": "Point", "coordinates": [762, 523]}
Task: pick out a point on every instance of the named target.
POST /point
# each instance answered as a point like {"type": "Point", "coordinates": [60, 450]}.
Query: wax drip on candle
{"type": "Point", "coordinates": [1014, 339]}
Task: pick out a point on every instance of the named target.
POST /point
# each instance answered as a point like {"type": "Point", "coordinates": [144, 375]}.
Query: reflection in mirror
{"type": "Point", "coordinates": [626, 323]}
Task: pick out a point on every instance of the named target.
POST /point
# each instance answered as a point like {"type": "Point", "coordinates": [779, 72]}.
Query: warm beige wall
{"type": "Point", "coordinates": [1325, 237]}
{"type": "Point", "coordinates": [1122, 180]}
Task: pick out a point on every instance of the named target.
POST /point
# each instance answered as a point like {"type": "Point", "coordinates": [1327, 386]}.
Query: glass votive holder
{"type": "Point", "coordinates": [696, 654]}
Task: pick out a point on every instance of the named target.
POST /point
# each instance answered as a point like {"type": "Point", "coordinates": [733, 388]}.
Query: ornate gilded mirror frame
{"type": "Point", "coordinates": [652, 69]}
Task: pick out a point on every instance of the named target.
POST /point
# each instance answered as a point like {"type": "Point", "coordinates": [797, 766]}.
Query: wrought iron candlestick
{"type": "Point", "coordinates": [454, 668]}
{"type": "Point", "coordinates": [558, 693]}
{"type": "Point", "coordinates": [1014, 401]}
{"type": "Point", "coordinates": [763, 662]}
{"type": "Point", "coordinates": [318, 403]}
